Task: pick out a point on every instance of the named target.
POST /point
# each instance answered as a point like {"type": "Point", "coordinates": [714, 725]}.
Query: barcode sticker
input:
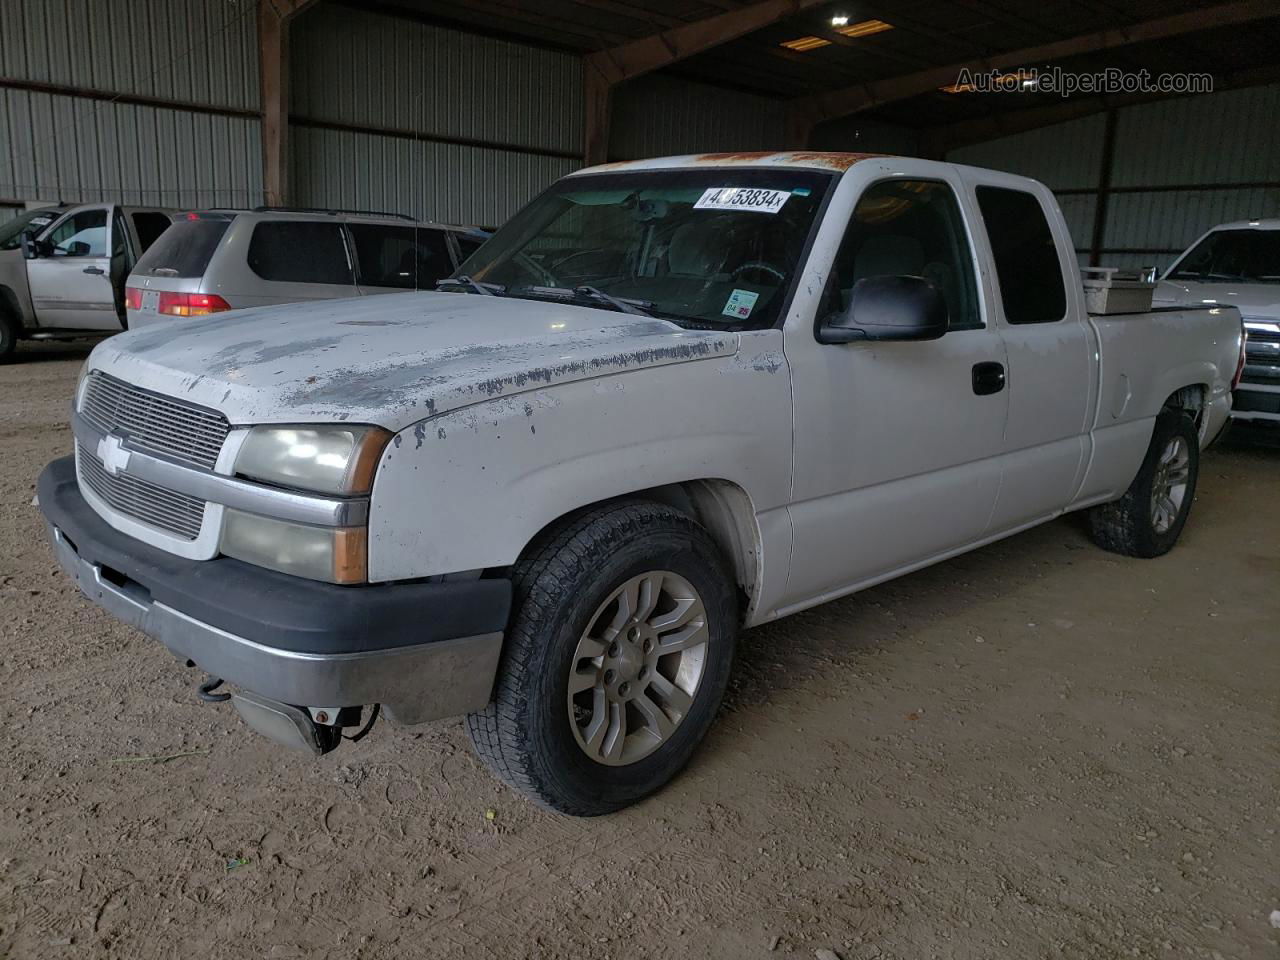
{"type": "Point", "coordinates": [742, 198]}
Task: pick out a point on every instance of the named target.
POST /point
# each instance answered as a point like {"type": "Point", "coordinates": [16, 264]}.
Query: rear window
{"type": "Point", "coordinates": [1027, 266]}
{"type": "Point", "coordinates": [410, 258]}
{"type": "Point", "coordinates": [299, 251]}
{"type": "Point", "coordinates": [184, 250]}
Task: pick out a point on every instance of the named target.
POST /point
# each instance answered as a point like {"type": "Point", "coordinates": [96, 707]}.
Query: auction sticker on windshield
{"type": "Point", "coordinates": [742, 198]}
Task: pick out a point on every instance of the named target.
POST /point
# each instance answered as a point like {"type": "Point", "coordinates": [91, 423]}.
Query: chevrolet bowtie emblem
{"type": "Point", "coordinates": [112, 453]}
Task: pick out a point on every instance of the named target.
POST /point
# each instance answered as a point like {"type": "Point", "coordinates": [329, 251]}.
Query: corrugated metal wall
{"type": "Point", "coordinates": [518, 107]}
{"type": "Point", "coordinates": [370, 92]}
{"type": "Point", "coordinates": [57, 146]}
{"type": "Point", "coordinates": [659, 116]}
{"type": "Point", "coordinates": [1230, 139]}
{"type": "Point", "coordinates": [73, 149]}
{"type": "Point", "coordinates": [445, 182]}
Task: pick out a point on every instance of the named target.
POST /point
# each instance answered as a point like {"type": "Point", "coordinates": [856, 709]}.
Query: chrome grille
{"type": "Point", "coordinates": [162, 425]}
{"type": "Point", "coordinates": [174, 513]}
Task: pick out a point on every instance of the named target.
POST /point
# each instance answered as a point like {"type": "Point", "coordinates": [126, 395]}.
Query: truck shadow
{"type": "Point", "coordinates": [798, 650]}
{"type": "Point", "coordinates": [1250, 438]}
{"type": "Point", "coordinates": [36, 352]}
{"type": "Point", "coordinates": [790, 652]}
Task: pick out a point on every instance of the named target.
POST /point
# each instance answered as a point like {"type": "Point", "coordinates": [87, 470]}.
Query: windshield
{"type": "Point", "coordinates": [1233, 256]}
{"type": "Point", "coordinates": [37, 220]}
{"type": "Point", "coordinates": [705, 248]}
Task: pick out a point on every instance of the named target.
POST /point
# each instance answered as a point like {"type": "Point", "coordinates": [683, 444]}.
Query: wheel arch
{"type": "Point", "coordinates": [1192, 399]}
{"type": "Point", "coordinates": [721, 506]}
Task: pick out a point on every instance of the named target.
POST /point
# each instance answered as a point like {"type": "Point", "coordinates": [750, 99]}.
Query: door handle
{"type": "Point", "coordinates": [988, 378]}
{"type": "Point", "coordinates": [98, 270]}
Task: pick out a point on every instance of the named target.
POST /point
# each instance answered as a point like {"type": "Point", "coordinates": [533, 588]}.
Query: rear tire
{"type": "Point", "coordinates": [1148, 519]}
{"type": "Point", "coordinates": [8, 337]}
{"type": "Point", "coordinates": [621, 640]}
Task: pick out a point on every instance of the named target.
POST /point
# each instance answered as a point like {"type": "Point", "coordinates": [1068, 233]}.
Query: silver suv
{"type": "Point", "coordinates": [216, 260]}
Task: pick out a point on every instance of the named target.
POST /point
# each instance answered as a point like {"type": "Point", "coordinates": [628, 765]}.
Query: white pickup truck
{"type": "Point", "coordinates": [668, 400]}
{"type": "Point", "coordinates": [1238, 264]}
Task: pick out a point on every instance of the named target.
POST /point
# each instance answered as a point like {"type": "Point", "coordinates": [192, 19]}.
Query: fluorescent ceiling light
{"type": "Point", "coordinates": [863, 28]}
{"type": "Point", "coordinates": [805, 43]}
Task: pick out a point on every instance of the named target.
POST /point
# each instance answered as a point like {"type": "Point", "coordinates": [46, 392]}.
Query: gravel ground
{"type": "Point", "coordinates": [1036, 750]}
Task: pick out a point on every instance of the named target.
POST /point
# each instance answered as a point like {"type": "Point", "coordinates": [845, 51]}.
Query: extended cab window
{"type": "Point", "coordinates": [1027, 266]}
{"type": "Point", "coordinates": [911, 228]}
{"type": "Point", "coordinates": [299, 251]}
{"type": "Point", "coordinates": [411, 258]}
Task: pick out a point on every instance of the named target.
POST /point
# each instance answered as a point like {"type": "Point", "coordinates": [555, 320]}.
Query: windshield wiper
{"type": "Point", "coordinates": [473, 286]}
{"type": "Point", "coordinates": [639, 308]}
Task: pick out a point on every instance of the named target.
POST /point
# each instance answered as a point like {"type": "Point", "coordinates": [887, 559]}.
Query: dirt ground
{"type": "Point", "coordinates": [1037, 750]}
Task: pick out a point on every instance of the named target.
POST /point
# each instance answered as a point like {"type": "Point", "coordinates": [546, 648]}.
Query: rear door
{"type": "Point", "coordinates": [392, 258]}
{"type": "Point", "coordinates": [1052, 370]}
{"type": "Point", "coordinates": [71, 286]}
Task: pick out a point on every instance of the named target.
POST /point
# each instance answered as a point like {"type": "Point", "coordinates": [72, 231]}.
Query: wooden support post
{"type": "Point", "coordinates": [598, 92]}
{"type": "Point", "coordinates": [273, 59]}
{"type": "Point", "coordinates": [1104, 187]}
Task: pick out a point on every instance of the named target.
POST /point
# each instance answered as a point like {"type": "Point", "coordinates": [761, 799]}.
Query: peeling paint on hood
{"type": "Point", "coordinates": [390, 360]}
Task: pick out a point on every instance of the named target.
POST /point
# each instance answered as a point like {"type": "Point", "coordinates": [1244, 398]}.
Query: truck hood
{"type": "Point", "coordinates": [1256, 300]}
{"type": "Point", "coordinates": [390, 360]}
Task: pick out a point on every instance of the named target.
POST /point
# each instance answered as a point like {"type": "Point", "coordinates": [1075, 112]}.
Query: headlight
{"type": "Point", "coordinates": [335, 555]}
{"type": "Point", "coordinates": [322, 459]}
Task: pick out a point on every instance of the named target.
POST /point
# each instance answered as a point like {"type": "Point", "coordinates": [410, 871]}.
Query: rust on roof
{"type": "Point", "coordinates": [836, 161]}
{"type": "Point", "coordinates": [808, 158]}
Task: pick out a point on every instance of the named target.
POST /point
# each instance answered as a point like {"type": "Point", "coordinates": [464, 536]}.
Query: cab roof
{"type": "Point", "coordinates": [805, 159]}
{"type": "Point", "coordinates": [1259, 224]}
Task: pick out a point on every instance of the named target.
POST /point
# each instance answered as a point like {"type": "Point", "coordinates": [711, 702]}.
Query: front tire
{"type": "Point", "coordinates": [1148, 519]}
{"type": "Point", "coordinates": [618, 654]}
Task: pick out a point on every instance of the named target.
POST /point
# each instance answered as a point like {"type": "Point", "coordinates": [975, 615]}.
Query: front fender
{"type": "Point", "coordinates": [469, 489]}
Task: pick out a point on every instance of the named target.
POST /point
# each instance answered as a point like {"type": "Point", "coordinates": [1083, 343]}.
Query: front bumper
{"type": "Point", "coordinates": [422, 650]}
{"type": "Point", "coordinates": [1257, 401]}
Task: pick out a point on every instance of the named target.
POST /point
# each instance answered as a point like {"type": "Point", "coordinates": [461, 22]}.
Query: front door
{"type": "Point", "coordinates": [896, 444]}
{"type": "Point", "coordinates": [71, 283]}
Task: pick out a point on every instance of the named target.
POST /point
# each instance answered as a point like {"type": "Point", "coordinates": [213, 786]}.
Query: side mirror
{"type": "Point", "coordinates": [27, 240]}
{"type": "Point", "coordinates": [78, 248]}
{"type": "Point", "coordinates": [888, 308]}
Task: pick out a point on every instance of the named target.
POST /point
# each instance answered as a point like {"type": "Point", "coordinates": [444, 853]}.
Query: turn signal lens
{"type": "Point", "coordinates": [327, 554]}
{"type": "Point", "coordinates": [189, 304]}
{"type": "Point", "coordinates": [132, 298]}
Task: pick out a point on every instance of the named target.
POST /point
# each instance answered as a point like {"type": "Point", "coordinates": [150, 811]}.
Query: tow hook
{"type": "Point", "coordinates": [205, 691]}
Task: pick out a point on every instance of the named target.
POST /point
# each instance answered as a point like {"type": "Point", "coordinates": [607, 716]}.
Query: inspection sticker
{"type": "Point", "coordinates": [740, 304]}
{"type": "Point", "coordinates": [742, 198]}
